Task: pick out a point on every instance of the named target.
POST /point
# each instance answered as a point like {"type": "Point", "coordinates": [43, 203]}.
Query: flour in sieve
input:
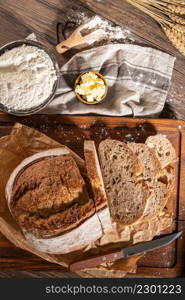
{"type": "Point", "coordinates": [27, 76]}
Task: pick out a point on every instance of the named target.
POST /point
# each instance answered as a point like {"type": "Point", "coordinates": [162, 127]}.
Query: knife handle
{"type": "Point", "coordinates": [95, 261]}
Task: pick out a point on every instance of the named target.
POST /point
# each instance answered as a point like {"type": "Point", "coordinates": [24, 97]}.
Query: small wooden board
{"type": "Point", "coordinates": [72, 131]}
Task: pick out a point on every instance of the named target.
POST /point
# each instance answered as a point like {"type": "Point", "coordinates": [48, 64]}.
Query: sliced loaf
{"type": "Point", "coordinates": [126, 192]}
{"type": "Point", "coordinates": [163, 149]}
{"type": "Point", "coordinates": [97, 184]}
{"type": "Point", "coordinates": [47, 196]}
{"type": "Point", "coordinates": [160, 181]}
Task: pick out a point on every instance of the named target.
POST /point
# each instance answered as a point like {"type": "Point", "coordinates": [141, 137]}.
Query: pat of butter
{"type": "Point", "coordinates": [91, 88]}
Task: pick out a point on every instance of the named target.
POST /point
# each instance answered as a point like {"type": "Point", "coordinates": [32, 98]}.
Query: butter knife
{"type": "Point", "coordinates": [124, 253]}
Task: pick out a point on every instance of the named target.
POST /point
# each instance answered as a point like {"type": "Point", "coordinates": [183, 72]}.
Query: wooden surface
{"type": "Point", "coordinates": [72, 131]}
{"type": "Point", "coordinates": [20, 18]}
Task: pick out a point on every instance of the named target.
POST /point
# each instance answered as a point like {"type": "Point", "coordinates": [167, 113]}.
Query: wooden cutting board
{"type": "Point", "coordinates": [72, 131]}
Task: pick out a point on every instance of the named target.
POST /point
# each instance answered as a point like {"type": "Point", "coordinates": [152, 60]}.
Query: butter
{"type": "Point", "coordinates": [91, 88]}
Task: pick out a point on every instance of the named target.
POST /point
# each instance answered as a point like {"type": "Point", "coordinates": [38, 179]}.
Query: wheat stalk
{"type": "Point", "coordinates": [176, 37]}
{"type": "Point", "coordinates": [169, 14]}
{"type": "Point", "coordinates": [145, 6]}
{"type": "Point", "coordinates": [177, 19]}
{"type": "Point", "coordinates": [180, 10]}
{"type": "Point", "coordinates": [175, 2]}
{"type": "Point", "coordinates": [181, 2]}
{"type": "Point", "coordinates": [164, 6]}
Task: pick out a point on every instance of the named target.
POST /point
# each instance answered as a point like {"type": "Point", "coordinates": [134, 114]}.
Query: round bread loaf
{"type": "Point", "coordinates": [47, 196]}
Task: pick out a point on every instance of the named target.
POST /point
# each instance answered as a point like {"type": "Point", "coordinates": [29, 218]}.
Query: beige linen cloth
{"type": "Point", "coordinates": [138, 80]}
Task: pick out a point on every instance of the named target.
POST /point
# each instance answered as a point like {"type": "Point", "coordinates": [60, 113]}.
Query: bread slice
{"type": "Point", "coordinates": [97, 184]}
{"type": "Point", "coordinates": [126, 192]}
{"type": "Point", "coordinates": [163, 149]}
{"type": "Point", "coordinates": [150, 164]}
{"type": "Point", "coordinates": [47, 196]}
{"type": "Point", "coordinates": [168, 177]}
{"type": "Point", "coordinates": [157, 200]}
{"type": "Point", "coordinates": [159, 181]}
{"type": "Point", "coordinates": [161, 190]}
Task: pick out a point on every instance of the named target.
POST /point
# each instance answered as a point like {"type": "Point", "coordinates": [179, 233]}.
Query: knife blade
{"type": "Point", "coordinates": [124, 253]}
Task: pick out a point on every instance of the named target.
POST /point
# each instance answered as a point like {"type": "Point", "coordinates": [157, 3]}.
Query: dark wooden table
{"type": "Point", "coordinates": [20, 18]}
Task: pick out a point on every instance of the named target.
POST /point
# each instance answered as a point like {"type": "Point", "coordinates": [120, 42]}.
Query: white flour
{"type": "Point", "coordinates": [27, 76]}
{"type": "Point", "coordinates": [109, 31]}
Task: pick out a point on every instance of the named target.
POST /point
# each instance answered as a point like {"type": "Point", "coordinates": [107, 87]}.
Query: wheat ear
{"type": "Point", "coordinates": [176, 37]}
{"type": "Point", "coordinates": [177, 19]}
{"type": "Point", "coordinates": [180, 2]}
{"type": "Point", "coordinates": [176, 9]}
{"type": "Point", "coordinates": [169, 14]}
{"type": "Point", "coordinates": [179, 28]}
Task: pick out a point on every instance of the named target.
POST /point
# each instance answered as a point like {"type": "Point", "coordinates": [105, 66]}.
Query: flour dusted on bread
{"type": "Point", "coordinates": [47, 196]}
{"type": "Point", "coordinates": [73, 240]}
{"type": "Point", "coordinates": [126, 192]}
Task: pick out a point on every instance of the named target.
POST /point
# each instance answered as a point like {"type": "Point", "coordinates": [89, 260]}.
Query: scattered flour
{"type": "Point", "coordinates": [27, 76]}
{"type": "Point", "coordinates": [109, 31]}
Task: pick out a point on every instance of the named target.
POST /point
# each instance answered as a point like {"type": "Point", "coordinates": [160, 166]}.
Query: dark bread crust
{"type": "Point", "coordinates": [48, 185]}
{"type": "Point", "coordinates": [58, 223]}
{"type": "Point", "coordinates": [49, 197]}
{"type": "Point", "coordinates": [97, 185]}
{"type": "Point", "coordinates": [99, 198]}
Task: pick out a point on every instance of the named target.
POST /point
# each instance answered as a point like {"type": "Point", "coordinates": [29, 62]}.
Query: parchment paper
{"type": "Point", "coordinates": [23, 142]}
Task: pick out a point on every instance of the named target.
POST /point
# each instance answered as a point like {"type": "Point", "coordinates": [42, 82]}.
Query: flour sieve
{"type": "Point", "coordinates": [36, 109]}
